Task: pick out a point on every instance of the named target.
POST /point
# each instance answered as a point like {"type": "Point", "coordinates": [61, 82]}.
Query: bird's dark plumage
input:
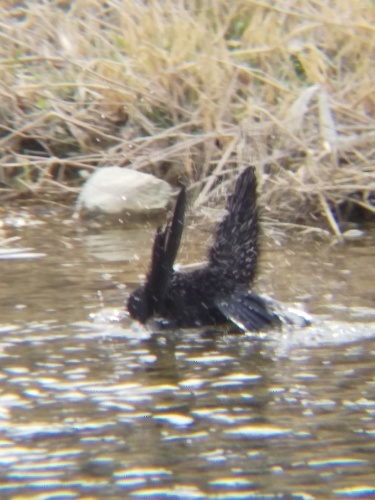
{"type": "Point", "coordinates": [219, 292]}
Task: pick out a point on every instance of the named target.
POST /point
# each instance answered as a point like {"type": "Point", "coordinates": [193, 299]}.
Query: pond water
{"type": "Point", "coordinates": [94, 408]}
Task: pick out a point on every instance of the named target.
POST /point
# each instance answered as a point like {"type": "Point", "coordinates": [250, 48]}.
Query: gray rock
{"type": "Point", "coordinates": [353, 234]}
{"type": "Point", "coordinates": [119, 191]}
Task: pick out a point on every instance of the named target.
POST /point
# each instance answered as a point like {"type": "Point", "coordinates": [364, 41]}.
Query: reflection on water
{"type": "Point", "coordinates": [102, 409]}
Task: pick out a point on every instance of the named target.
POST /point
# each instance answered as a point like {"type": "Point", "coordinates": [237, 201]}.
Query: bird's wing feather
{"type": "Point", "coordinates": [164, 252]}
{"type": "Point", "coordinates": [235, 246]}
{"type": "Point", "coordinates": [174, 231]}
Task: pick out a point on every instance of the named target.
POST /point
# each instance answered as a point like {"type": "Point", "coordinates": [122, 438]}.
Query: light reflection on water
{"type": "Point", "coordinates": [109, 410]}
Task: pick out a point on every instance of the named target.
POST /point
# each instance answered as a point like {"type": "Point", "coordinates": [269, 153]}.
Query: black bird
{"type": "Point", "coordinates": [219, 292]}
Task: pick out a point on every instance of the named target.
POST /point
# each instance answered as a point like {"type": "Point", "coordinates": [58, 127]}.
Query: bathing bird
{"type": "Point", "coordinates": [218, 293]}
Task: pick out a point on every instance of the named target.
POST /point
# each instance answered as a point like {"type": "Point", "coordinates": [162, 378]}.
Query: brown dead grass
{"type": "Point", "coordinates": [191, 89]}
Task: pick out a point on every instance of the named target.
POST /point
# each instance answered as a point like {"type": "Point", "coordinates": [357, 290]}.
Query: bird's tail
{"type": "Point", "coordinates": [248, 311]}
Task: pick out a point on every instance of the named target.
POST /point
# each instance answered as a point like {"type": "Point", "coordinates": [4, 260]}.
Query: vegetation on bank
{"type": "Point", "coordinates": [193, 90]}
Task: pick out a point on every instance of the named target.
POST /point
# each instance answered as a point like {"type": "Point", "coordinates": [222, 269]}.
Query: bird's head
{"type": "Point", "coordinates": [140, 304]}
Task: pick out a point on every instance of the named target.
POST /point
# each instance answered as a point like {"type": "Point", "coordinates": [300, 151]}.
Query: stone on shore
{"type": "Point", "coordinates": [122, 191]}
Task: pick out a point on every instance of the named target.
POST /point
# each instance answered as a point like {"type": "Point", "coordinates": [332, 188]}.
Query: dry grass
{"type": "Point", "coordinates": [190, 89]}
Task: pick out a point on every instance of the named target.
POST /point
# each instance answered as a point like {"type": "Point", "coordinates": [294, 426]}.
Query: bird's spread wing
{"type": "Point", "coordinates": [164, 252]}
{"type": "Point", "coordinates": [235, 247]}
{"type": "Point", "coordinates": [155, 279]}
{"type": "Point", "coordinates": [248, 311]}
{"type": "Point", "coordinates": [174, 230]}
